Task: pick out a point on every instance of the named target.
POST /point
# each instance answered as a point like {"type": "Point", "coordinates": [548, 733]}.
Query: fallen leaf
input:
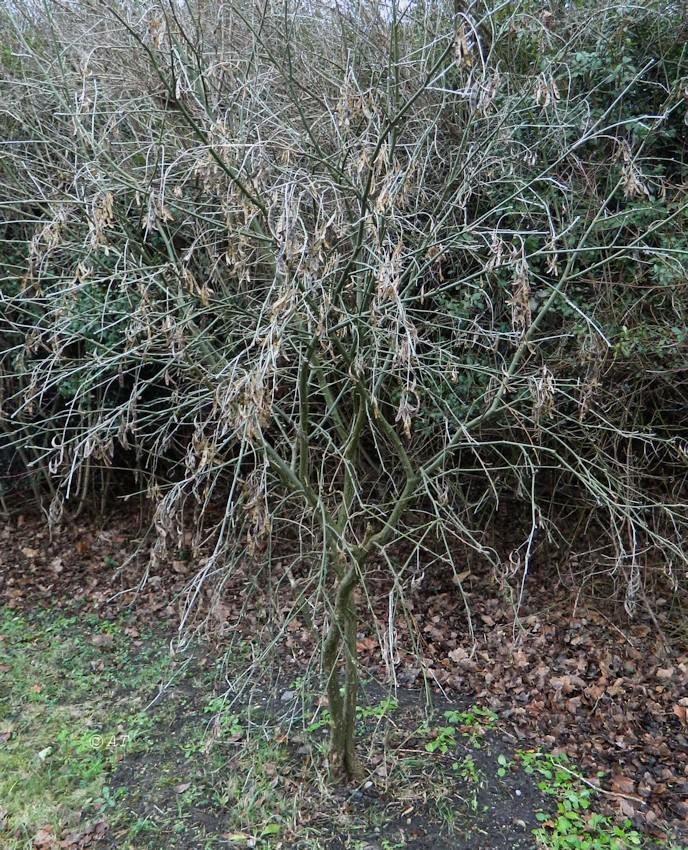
{"type": "Point", "coordinates": [81, 547]}
{"type": "Point", "coordinates": [573, 705]}
{"type": "Point", "coordinates": [616, 688]}
{"type": "Point", "coordinates": [44, 839]}
{"type": "Point", "coordinates": [182, 787]}
{"type": "Point", "coordinates": [594, 692]}
{"type": "Point", "coordinates": [458, 654]}
{"type": "Point", "coordinates": [623, 785]}
{"type": "Point", "coordinates": [220, 612]}
{"type": "Point", "coordinates": [461, 577]}
{"type": "Point", "coordinates": [567, 684]}
{"type": "Point", "coordinates": [626, 809]}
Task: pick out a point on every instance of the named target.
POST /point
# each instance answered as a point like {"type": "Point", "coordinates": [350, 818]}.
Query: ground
{"type": "Point", "coordinates": [562, 727]}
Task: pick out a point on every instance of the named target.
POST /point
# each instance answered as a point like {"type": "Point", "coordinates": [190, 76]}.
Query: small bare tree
{"type": "Point", "coordinates": [334, 268]}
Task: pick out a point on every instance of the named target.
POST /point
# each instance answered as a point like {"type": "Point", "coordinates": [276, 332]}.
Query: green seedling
{"type": "Point", "coordinates": [473, 724]}
{"type": "Point", "coordinates": [468, 771]}
{"type": "Point", "coordinates": [573, 825]}
{"type": "Point", "coordinates": [382, 709]}
{"type": "Point", "coordinates": [108, 798]}
{"type": "Point", "coordinates": [228, 724]}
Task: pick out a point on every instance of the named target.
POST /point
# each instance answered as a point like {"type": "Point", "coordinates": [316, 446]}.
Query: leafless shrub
{"type": "Point", "coordinates": [326, 265]}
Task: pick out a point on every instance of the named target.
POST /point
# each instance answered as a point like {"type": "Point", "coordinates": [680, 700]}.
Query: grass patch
{"type": "Point", "coordinates": [69, 712]}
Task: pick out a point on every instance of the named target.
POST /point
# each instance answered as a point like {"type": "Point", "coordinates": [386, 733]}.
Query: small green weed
{"type": "Point", "coordinates": [108, 799]}
{"type": "Point", "coordinates": [467, 769]}
{"type": "Point", "coordinates": [228, 724]}
{"type": "Point", "coordinates": [383, 709]}
{"type": "Point", "coordinates": [473, 724]}
{"type": "Point", "coordinates": [386, 844]}
{"type": "Point", "coordinates": [573, 825]}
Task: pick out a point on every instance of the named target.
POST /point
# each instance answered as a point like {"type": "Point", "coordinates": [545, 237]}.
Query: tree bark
{"type": "Point", "coordinates": [344, 762]}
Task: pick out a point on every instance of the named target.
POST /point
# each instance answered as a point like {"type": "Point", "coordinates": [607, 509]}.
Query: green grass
{"type": "Point", "coordinates": [80, 747]}
{"type": "Point", "coordinates": [67, 717]}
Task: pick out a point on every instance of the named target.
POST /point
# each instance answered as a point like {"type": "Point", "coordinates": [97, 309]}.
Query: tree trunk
{"type": "Point", "coordinates": [344, 763]}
